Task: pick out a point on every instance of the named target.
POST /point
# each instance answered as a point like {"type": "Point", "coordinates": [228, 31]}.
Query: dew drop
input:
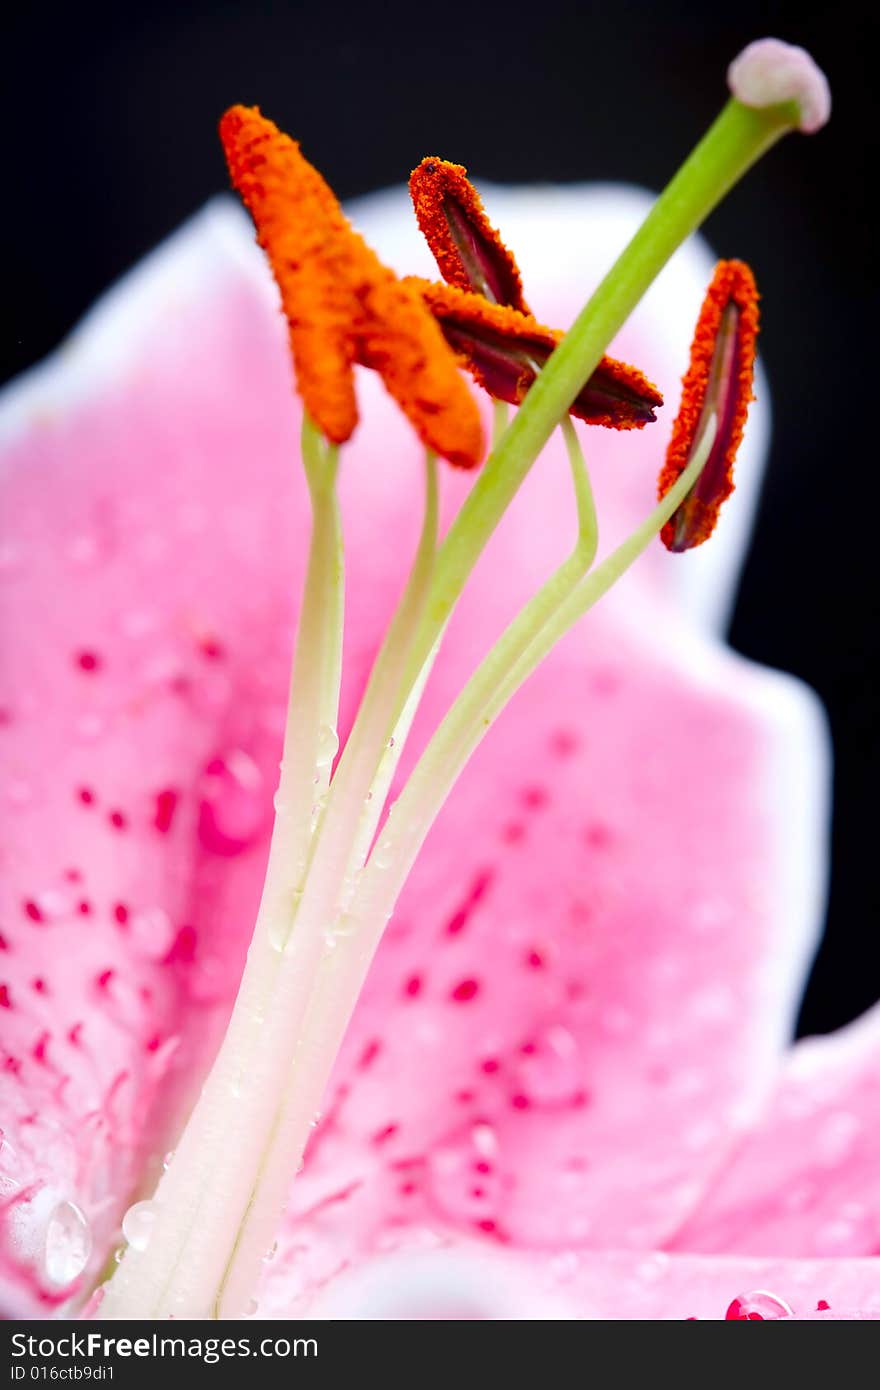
{"type": "Point", "coordinates": [318, 810]}
{"type": "Point", "coordinates": [152, 932]}
{"type": "Point", "coordinates": [758, 1306]}
{"type": "Point", "coordinates": [252, 1308]}
{"type": "Point", "coordinates": [463, 1179]}
{"type": "Point", "coordinates": [345, 926]}
{"type": "Point", "coordinates": [138, 1223]}
{"type": "Point", "coordinates": [50, 905]}
{"type": "Point", "coordinates": [381, 855]}
{"type": "Point", "coordinates": [484, 1140]}
{"type": "Point", "coordinates": [551, 1072]}
{"type": "Point", "coordinates": [328, 745]}
{"type": "Point", "coordinates": [68, 1244]}
{"type": "Point", "coordinates": [280, 928]}
{"type": "Point", "coordinates": [166, 1161]}
{"type": "Point", "coordinates": [233, 808]}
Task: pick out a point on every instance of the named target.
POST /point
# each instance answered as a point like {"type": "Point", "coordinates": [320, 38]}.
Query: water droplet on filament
{"type": "Point", "coordinates": [328, 744]}
{"type": "Point", "coordinates": [381, 856]}
{"type": "Point", "coordinates": [68, 1244]}
{"type": "Point", "coordinates": [138, 1223]}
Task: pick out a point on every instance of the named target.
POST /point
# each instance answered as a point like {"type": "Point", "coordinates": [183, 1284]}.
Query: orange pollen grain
{"type": "Point", "coordinates": [718, 380]}
{"type": "Point", "coordinates": [504, 349]}
{"type": "Point", "coordinates": [468, 250]}
{"type": "Point", "coordinates": [342, 305]}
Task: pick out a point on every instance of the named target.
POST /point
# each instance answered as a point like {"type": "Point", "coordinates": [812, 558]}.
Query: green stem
{"type": "Point", "coordinates": [500, 417]}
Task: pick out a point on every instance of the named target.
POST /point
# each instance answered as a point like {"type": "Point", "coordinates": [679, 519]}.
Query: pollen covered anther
{"type": "Point", "coordinates": [342, 305]}
{"type": "Point", "coordinates": [468, 250]}
{"type": "Point", "coordinates": [718, 382]}
{"type": "Point", "coordinates": [504, 350]}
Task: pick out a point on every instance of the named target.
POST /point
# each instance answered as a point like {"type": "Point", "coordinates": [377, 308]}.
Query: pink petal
{"type": "Point", "coordinates": [584, 992]}
{"type": "Point", "coordinates": [431, 1279]}
{"type": "Point", "coordinates": [148, 606]}
{"type": "Point", "coordinates": [149, 603]}
{"type": "Point", "coordinates": [807, 1182]}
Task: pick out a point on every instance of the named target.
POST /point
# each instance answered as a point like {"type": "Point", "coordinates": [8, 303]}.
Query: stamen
{"type": "Point", "coordinates": [467, 248]}
{"type": "Point", "coordinates": [718, 382]}
{"type": "Point", "coordinates": [505, 349]}
{"type": "Point", "coordinates": [341, 303]}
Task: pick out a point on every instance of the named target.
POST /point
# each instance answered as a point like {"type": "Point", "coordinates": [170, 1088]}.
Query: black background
{"type": "Point", "coordinates": [110, 142]}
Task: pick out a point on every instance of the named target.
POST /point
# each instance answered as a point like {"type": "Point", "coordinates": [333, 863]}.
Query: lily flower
{"type": "Point", "coordinates": [567, 1088]}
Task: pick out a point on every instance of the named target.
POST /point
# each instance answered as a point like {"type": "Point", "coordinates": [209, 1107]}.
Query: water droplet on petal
{"type": "Point", "coordinates": [51, 905]}
{"type": "Point", "coordinates": [252, 1308]}
{"type": "Point", "coordinates": [328, 744]}
{"type": "Point", "coordinates": [68, 1244]}
{"type": "Point", "coordinates": [758, 1306]}
{"type": "Point", "coordinates": [234, 807]}
{"type": "Point", "coordinates": [152, 932]}
{"type": "Point", "coordinates": [138, 1223]}
{"type": "Point", "coordinates": [551, 1073]}
{"type": "Point", "coordinates": [463, 1178]}
{"type": "Point", "coordinates": [166, 1161]}
{"type": "Point", "coordinates": [484, 1140]}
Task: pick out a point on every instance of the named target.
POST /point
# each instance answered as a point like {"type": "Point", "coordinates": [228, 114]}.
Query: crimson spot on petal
{"type": "Point", "coordinates": [166, 805]}
{"type": "Point", "coordinates": [465, 991]}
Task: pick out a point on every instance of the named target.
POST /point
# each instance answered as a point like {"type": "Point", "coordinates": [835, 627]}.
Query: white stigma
{"type": "Point", "coordinates": [769, 72]}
